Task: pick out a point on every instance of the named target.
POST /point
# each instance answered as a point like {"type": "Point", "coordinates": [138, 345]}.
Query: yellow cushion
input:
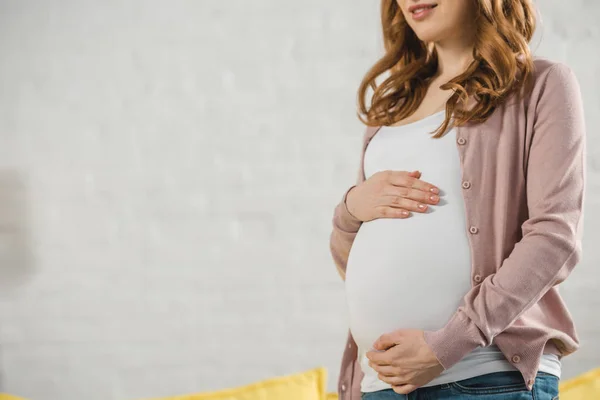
{"type": "Point", "coordinates": [308, 385]}
{"type": "Point", "coordinates": [4, 396]}
{"type": "Point", "coordinates": [332, 396]}
{"type": "Point", "coordinates": [586, 386]}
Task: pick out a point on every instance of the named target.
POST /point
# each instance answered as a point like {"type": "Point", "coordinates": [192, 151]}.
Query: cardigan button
{"type": "Point", "coordinates": [461, 140]}
{"type": "Point", "coordinates": [516, 359]}
{"type": "Point", "coordinates": [343, 387]}
{"type": "Point", "coordinates": [466, 184]}
{"type": "Point", "coordinates": [473, 230]}
{"type": "Point", "coordinates": [477, 278]}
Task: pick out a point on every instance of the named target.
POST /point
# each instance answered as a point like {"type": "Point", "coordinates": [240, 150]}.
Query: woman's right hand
{"type": "Point", "coordinates": [391, 194]}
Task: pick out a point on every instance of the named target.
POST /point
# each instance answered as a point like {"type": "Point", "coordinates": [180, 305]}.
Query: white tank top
{"type": "Point", "coordinates": [414, 272]}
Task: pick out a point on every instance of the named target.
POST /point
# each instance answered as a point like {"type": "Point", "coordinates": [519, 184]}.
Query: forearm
{"type": "Point", "coordinates": [345, 227]}
{"type": "Point", "coordinates": [537, 263]}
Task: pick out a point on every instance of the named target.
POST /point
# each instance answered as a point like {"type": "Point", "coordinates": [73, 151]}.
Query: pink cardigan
{"type": "Point", "coordinates": [524, 174]}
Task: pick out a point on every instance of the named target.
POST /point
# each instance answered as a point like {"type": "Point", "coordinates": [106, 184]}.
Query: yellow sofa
{"type": "Point", "coordinates": [308, 385]}
{"type": "Point", "coordinates": [311, 384]}
{"type": "Point", "coordinates": [582, 387]}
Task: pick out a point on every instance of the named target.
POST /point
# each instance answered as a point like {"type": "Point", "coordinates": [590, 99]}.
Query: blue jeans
{"type": "Point", "coordinates": [496, 386]}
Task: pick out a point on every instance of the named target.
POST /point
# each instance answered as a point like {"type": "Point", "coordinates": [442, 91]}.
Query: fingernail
{"type": "Point", "coordinates": [422, 207]}
{"type": "Point", "coordinates": [404, 212]}
{"type": "Point", "coordinates": [434, 198]}
{"type": "Point", "coordinates": [435, 190]}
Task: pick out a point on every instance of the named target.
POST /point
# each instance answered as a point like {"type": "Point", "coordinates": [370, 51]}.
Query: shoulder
{"type": "Point", "coordinates": [549, 82]}
{"type": "Point", "coordinates": [542, 65]}
{"type": "Point", "coordinates": [550, 73]}
{"type": "Point", "coordinates": [552, 90]}
{"type": "Point", "coordinates": [556, 102]}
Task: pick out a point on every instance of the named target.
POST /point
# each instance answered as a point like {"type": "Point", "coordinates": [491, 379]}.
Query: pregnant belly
{"type": "Point", "coordinates": [409, 274]}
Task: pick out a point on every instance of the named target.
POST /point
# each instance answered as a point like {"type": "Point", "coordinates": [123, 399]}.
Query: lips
{"type": "Point", "coordinates": [421, 7]}
{"type": "Point", "coordinates": [421, 11]}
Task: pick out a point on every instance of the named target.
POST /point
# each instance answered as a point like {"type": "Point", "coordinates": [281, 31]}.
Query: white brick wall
{"type": "Point", "coordinates": [167, 176]}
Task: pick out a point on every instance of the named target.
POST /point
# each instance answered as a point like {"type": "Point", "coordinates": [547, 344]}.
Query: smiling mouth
{"type": "Point", "coordinates": [421, 8]}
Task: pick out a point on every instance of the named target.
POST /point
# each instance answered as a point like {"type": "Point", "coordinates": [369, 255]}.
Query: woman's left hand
{"type": "Point", "coordinates": [404, 360]}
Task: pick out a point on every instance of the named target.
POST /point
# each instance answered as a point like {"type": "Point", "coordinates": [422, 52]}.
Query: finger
{"type": "Point", "coordinates": [404, 389]}
{"type": "Point", "coordinates": [393, 380]}
{"type": "Point", "coordinates": [385, 370]}
{"type": "Point", "coordinates": [392, 212]}
{"type": "Point", "coordinates": [409, 193]}
{"type": "Point", "coordinates": [378, 358]}
{"type": "Point", "coordinates": [384, 342]}
{"type": "Point", "coordinates": [401, 178]}
{"type": "Point", "coordinates": [404, 203]}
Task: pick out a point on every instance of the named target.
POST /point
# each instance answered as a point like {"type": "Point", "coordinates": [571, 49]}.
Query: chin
{"type": "Point", "coordinates": [429, 35]}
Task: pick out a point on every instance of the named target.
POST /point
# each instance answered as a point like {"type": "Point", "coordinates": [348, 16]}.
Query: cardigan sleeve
{"type": "Point", "coordinates": [551, 243]}
{"type": "Point", "coordinates": [345, 225]}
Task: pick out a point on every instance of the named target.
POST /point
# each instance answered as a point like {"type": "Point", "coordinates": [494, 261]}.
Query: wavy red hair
{"type": "Point", "coordinates": [501, 65]}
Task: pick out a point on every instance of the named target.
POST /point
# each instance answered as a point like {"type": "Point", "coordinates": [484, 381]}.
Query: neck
{"type": "Point", "coordinates": [454, 55]}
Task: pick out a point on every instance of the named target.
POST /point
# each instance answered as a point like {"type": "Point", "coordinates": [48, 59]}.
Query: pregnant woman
{"type": "Point", "coordinates": [467, 213]}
